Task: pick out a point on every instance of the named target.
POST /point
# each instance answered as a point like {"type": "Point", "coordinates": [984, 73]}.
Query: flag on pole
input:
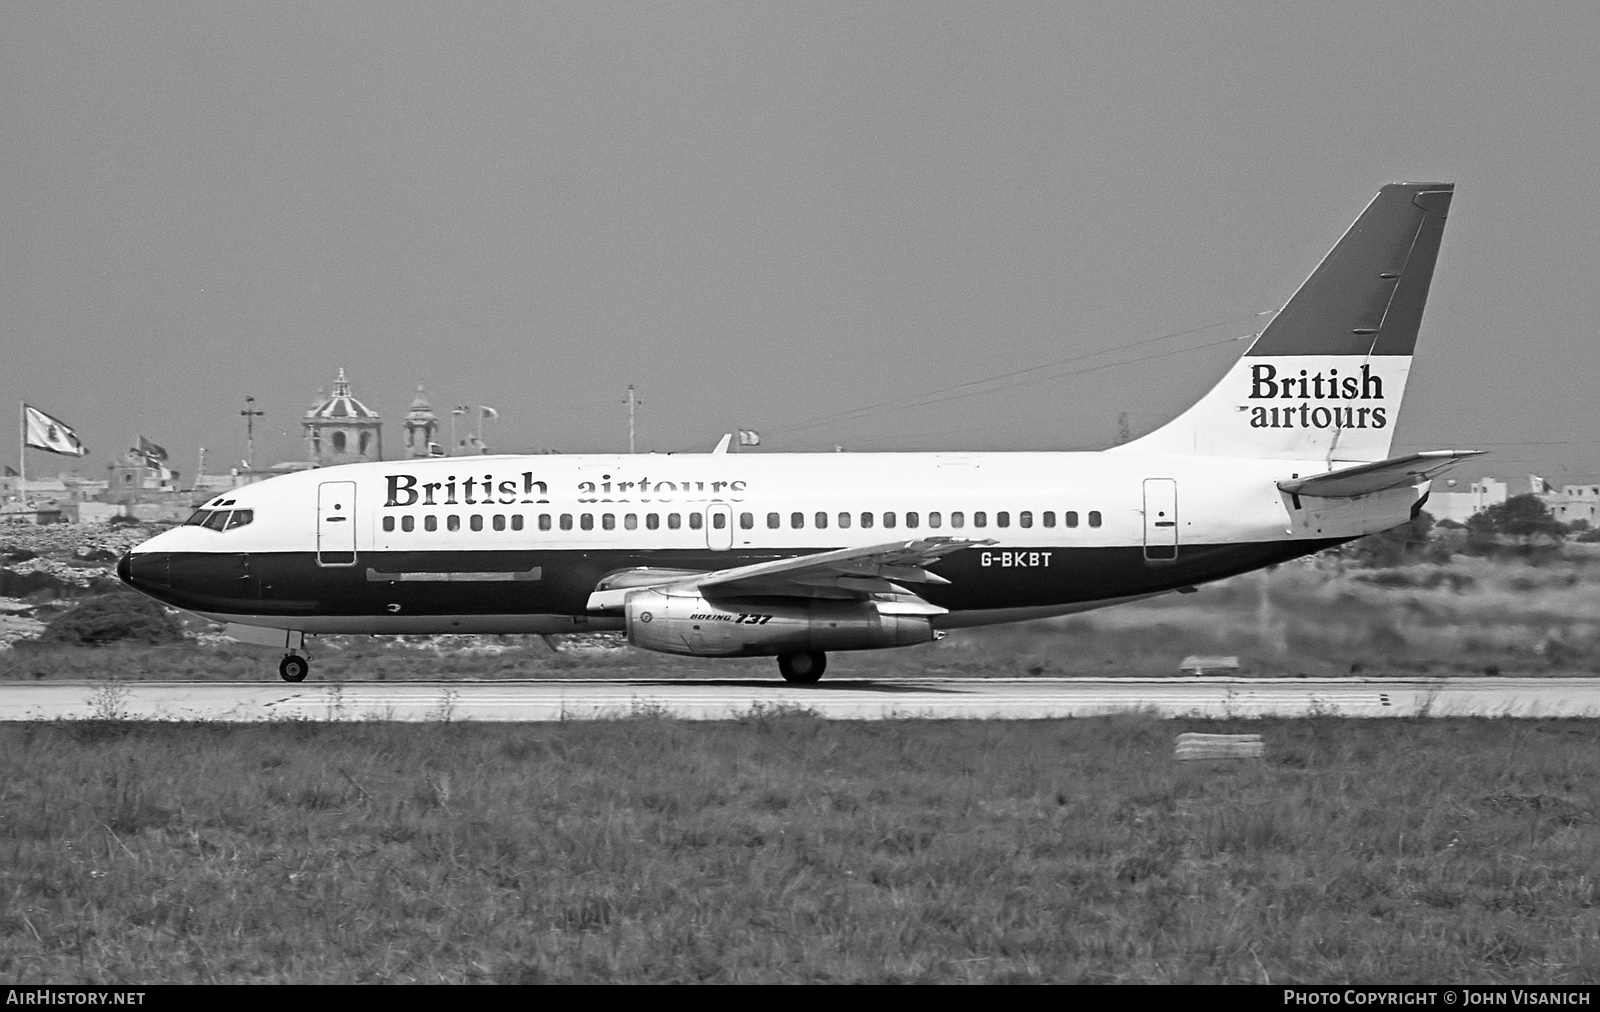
{"type": "Point", "coordinates": [749, 437]}
{"type": "Point", "coordinates": [151, 451]}
{"type": "Point", "coordinates": [1539, 485]}
{"type": "Point", "coordinates": [52, 434]}
{"type": "Point", "coordinates": [485, 411]}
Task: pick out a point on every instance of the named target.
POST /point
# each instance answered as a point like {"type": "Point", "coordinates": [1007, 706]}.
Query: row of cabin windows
{"type": "Point", "coordinates": [747, 521]}
{"type": "Point", "coordinates": [934, 519]}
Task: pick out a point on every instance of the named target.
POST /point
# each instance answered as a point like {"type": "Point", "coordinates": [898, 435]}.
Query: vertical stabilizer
{"type": "Point", "coordinates": [1325, 379]}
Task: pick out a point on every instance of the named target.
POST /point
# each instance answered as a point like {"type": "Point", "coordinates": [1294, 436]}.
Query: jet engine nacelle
{"type": "Point", "coordinates": [690, 624]}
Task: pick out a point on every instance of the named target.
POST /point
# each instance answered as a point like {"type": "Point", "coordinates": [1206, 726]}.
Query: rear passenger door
{"type": "Point", "coordinates": [1160, 520]}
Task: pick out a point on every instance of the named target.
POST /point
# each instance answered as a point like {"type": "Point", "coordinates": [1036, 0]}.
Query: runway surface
{"type": "Point", "coordinates": [727, 699]}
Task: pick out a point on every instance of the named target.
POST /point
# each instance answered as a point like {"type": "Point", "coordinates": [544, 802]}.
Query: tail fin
{"type": "Point", "coordinates": [1325, 379]}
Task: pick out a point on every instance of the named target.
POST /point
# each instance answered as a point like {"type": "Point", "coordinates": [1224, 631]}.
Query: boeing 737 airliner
{"type": "Point", "coordinates": [792, 555]}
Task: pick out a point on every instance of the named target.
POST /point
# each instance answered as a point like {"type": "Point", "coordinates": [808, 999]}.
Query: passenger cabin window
{"type": "Point", "coordinates": [935, 520]}
{"type": "Point", "coordinates": [747, 521]}
{"type": "Point", "coordinates": [452, 522]}
{"type": "Point", "coordinates": [652, 521]}
{"type": "Point", "coordinates": [719, 521]}
{"type": "Point", "coordinates": [477, 522]}
{"type": "Point", "coordinates": [1002, 519]}
{"type": "Point", "coordinates": [499, 521]}
{"type": "Point", "coordinates": [911, 520]}
{"type": "Point", "coordinates": [586, 521]}
{"type": "Point", "coordinates": [696, 521]}
{"type": "Point", "coordinates": [1048, 518]}
{"type": "Point", "coordinates": [774, 521]}
{"type": "Point", "coordinates": [822, 520]}
{"type": "Point", "coordinates": [630, 522]}
{"type": "Point", "coordinates": [1071, 518]}
{"type": "Point", "coordinates": [674, 521]}
{"type": "Point", "coordinates": [608, 521]}
{"type": "Point", "coordinates": [980, 519]}
{"type": "Point", "coordinates": [1025, 518]}
{"type": "Point", "coordinates": [516, 521]}
{"type": "Point", "coordinates": [566, 521]}
{"type": "Point", "coordinates": [544, 521]}
{"type": "Point", "coordinates": [958, 519]}
{"type": "Point", "coordinates": [888, 520]}
{"type": "Point", "coordinates": [388, 523]}
{"type": "Point", "coordinates": [844, 520]}
{"type": "Point", "coordinates": [430, 522]}
{"type": "Point", "coordinates": [1094, 518]}
{"type": "Point", "coordinates": [797, 520]}
{"type": "Point", "coordinates": [866, 520]}
{"type": "Point", "coordinates": [408, 524]}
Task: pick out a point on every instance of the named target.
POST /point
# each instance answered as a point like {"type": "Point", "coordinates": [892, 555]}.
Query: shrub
{"type": "Point", "coordinates": [1397, 546]}
{"type": "Point", "coordinates": [111, 617]}
{"type": "Point", "coordinates": [1521, 516]}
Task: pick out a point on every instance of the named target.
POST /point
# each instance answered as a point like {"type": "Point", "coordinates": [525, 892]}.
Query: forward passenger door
{"type": "Point", "coordinates": [336, 523]}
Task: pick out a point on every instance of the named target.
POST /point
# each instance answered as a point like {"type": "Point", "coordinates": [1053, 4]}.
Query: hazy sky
{"type": "Point", "coordinates": [799, 218]}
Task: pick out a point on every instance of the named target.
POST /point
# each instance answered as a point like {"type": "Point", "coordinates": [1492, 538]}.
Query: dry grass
{"type": "Point", "coordinates": [785, 848]}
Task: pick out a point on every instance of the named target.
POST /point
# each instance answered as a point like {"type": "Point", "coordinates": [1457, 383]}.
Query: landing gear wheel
{"type": "Point", "coordinates": [803, 668]}
{"type": "Point", "coordinates": [294, 668]}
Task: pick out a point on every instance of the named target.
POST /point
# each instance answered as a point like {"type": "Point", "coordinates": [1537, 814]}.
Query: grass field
{"type": "Point", "coordinates": [785, 848]}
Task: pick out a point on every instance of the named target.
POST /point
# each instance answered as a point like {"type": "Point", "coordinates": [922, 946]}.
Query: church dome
{"type": "Point", "coordinates": [341, 405]}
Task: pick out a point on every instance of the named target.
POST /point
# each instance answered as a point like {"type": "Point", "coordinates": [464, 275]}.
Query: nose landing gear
{"type": "Point", "coordinates": [804, 667]}
{"type": "Point", "coordinates": [294, 668]}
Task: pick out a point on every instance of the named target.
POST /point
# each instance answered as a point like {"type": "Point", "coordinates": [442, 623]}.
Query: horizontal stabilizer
{"type": "Point", "coordinates": [1364, 479]}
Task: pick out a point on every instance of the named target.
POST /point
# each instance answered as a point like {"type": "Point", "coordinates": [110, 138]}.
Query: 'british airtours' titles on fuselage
{"type": "Point", "coordinates": [408, 490]}
{"type": "Point", "coordinates": [1266, 384]}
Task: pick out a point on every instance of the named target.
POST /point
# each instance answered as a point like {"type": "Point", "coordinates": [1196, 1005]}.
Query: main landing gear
{"type": "Point", "coordinates": [803, 668]}
{"type": "Point", "coordinates": [294, 668]}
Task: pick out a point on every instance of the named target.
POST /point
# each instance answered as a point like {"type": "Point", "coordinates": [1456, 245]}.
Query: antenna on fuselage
{"type": "Point", "coordinates": [632, 403]}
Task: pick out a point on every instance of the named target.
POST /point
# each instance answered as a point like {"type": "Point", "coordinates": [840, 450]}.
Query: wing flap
{"type": "Point", "coordinates": [1379, 476]}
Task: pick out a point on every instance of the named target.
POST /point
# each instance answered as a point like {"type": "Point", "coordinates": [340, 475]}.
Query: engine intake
{"type": "Point", "coordinates": [691, 624]}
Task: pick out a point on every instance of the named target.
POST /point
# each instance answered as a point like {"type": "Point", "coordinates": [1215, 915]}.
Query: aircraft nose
{"type": "Point", "coordinates": [144, 572]}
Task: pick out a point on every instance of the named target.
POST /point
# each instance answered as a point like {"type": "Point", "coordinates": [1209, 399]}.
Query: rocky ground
{"type": "Point", "coordinates": [43, 569]}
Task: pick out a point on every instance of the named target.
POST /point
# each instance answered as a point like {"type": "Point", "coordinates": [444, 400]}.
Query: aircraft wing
{"type": "Point", "coordinates": [1364, 479]}
{"type": "Point", "coordinates": [845, 573]}
{"type": "Point", "coordinates": [858, 571]}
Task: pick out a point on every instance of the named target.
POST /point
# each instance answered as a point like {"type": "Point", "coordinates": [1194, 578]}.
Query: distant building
{"type": "Point", "coordinates": [422, 426]}
{"type": "Point", "coordinates": [136, 479]}
{"type": "Point", "coordinates": [341, 430]}
{"type": "Point", "coordinates": [1576, 501]}
{"type": "Point", "coordinates": [1459, 506]}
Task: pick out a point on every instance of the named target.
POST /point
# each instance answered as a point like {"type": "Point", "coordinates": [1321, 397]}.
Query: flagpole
{"type": "Point", "coordinates": [22, 451]}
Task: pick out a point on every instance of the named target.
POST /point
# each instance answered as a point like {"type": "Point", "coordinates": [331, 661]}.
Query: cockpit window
{"type": "Point", "coordinates": [220, 520]}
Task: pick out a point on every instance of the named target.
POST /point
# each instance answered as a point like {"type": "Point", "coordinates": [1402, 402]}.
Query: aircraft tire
{"type": "Point", "coordinates": [294, 668]}
{"type": "Point", "coordinates": [804, 667]}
